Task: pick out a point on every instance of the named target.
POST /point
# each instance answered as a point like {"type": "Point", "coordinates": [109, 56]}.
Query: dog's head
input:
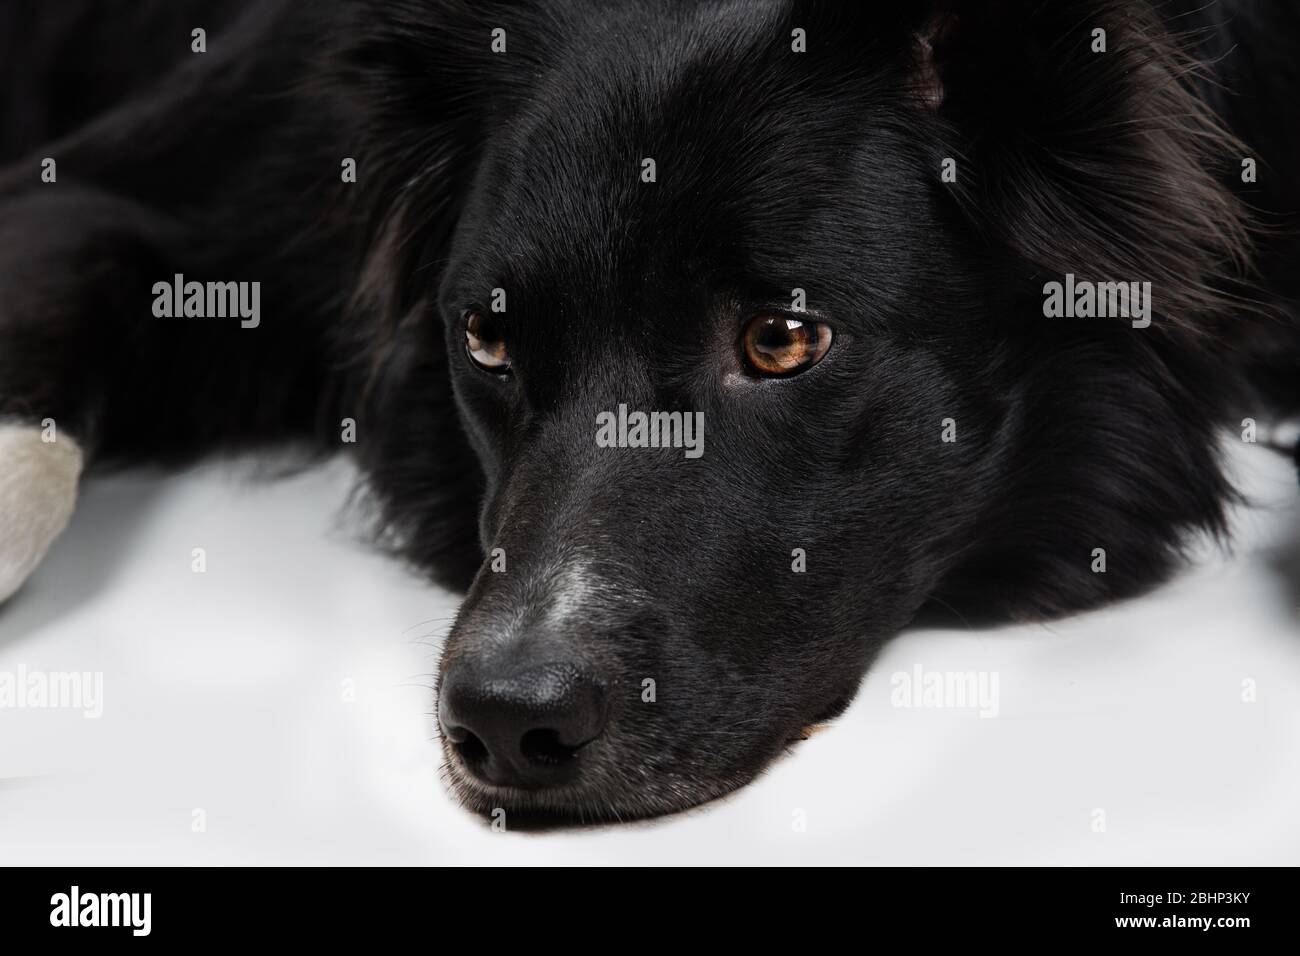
{"type": "Point", "coordinates": [804, 248]}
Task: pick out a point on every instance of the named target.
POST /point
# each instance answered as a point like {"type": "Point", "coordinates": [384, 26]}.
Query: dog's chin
{"type": "Point", "coordinates": [603, 797]}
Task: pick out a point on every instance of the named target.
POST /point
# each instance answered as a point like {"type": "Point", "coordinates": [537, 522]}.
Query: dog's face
{"type": "Point", "coordinates": [684, 214]}
{"type": "Point", "coordinates": [715, 603]}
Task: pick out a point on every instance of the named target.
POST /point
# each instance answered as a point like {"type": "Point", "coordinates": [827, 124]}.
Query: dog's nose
{"type": "Point", "coordinates": [525, 727]}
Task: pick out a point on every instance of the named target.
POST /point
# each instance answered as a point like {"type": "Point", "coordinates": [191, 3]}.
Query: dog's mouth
{"type": "Point", "coordinates": [513, 807]}
{"type": "Point", "coordinates": [567, 797]}
{"type": "Point", "coordinates": [597, 798]}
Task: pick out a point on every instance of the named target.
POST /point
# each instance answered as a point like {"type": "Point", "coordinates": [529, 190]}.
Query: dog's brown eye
{"type": "Point", "coordinates": [485, 341]}
{"type": "Point", "coordinates": [778, 345]}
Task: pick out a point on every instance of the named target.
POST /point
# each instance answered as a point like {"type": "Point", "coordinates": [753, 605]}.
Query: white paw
{"type": "Point", "coordinates": [38, 491]}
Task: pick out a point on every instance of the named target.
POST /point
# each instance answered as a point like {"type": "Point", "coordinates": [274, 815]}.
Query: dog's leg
{"type": "Point", "coordinates": [189, 176]}
{"type": "Point", "coordinates": [71, 261]}
{"type": "Point", "coordinates": [39, 471]}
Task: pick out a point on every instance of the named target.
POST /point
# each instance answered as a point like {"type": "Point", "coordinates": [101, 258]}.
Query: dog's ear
{"type": "Point", "coordinates": [1082, 145]}
{"type": "Point", "coordinates": [418, 77]}
{"type": "Point", "coordinates": [425, 78]}
{"type": "Point", "coordinates": [436, 60]}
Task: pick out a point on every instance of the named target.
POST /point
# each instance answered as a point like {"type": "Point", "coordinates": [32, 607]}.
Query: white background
{"type": "Point", "coordinates": [223, 693]}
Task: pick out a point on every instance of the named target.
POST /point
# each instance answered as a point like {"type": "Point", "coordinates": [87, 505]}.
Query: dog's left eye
{"type": "Point", "coordinates": [486, 343]}
{"type": "Point", "coordinates": [777, 345]}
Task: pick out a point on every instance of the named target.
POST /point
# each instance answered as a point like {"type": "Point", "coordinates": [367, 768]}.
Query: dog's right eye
{"type": "Point", "coordinates": [485, 342]}
{"type": "Point", "coordinates": [777, 346]}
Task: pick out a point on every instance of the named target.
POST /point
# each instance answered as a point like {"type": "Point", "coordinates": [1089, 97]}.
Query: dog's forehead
{"type": "Point", "coordinates": [689, 150]}
{"type": "Point", "coordinates": [662, 155]}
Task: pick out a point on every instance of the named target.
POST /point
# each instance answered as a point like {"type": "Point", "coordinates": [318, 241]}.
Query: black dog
{"type": "Point", "coordinates": [825, 233]}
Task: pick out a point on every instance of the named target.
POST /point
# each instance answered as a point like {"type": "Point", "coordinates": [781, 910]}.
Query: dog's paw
{"type": "Point", "coordinates": [38, 491]}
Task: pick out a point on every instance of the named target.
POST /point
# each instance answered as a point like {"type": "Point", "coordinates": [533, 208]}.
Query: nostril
{"type": "Point", "coordinates": [543, 746]}
{"type": "Point", "coordinates": [472, 750]}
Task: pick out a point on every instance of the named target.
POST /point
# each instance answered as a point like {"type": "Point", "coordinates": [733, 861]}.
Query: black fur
{"type": "Point", "coordinates": [776, 170]}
